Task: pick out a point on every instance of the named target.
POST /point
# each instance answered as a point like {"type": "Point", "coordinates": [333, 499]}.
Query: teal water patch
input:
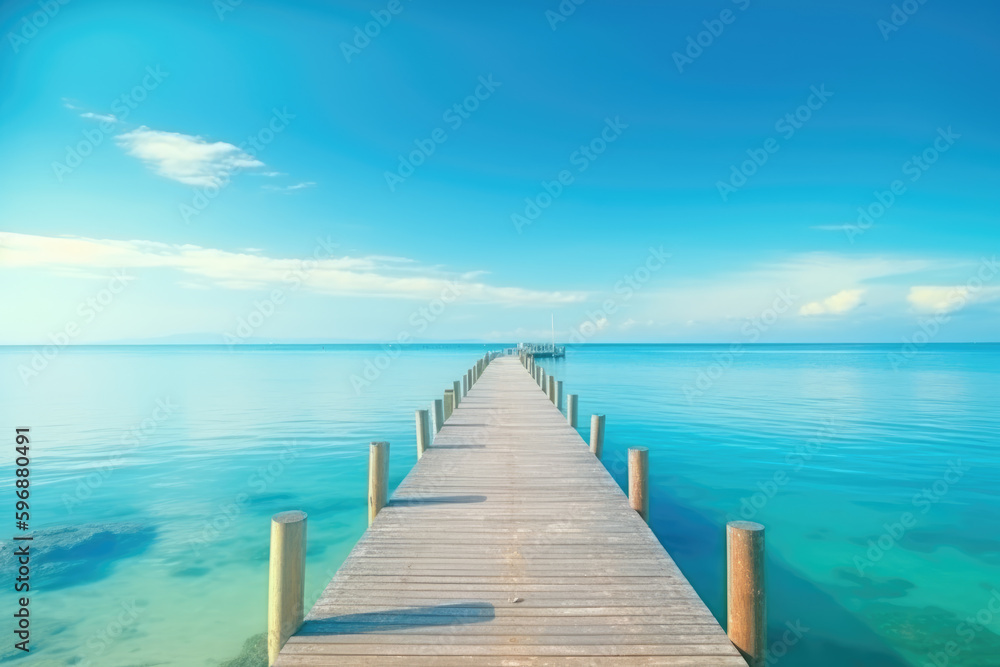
{"type": "Point", "coordinates": [937, 637]}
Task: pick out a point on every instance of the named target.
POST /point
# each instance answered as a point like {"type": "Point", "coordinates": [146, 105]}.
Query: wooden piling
{"type": "Point", "coordinates": [286, 580]}
{"type": "Point", "coordinates": [457, 388]}
{"type": "Point", "coordinates": [378, 478]}
{"type": "Point", "coordinates": [423, 432]}
{"type": "Point", "coordinates": [552, 388]}
{"type": "Point", "coordinates": [465, 385]}
{"type": "Point", "coordinates": [638, 481]}
{"type": "Point", "coordinates": [438, 415]}
{"type": "Point", "coordinates": [747, 620]}
{"type": "Point", "coordinates": [571, 408]}
{"type": "Point", "coordinates": [596, 435]}
{"type": "Point", "coordinates": [559, 394]}
{"type": "Point", "coordinates": [449, 403]}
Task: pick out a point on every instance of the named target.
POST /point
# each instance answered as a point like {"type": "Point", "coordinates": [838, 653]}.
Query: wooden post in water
{"type": "Point", "coordinates": [378, 478]}
{"type": "Point", "coordinates": [465, 385]}
{"type": "Point", "coordinates": [423, 432]}
{"type": "Point", "coordinates": [438, 415]}
{"type": "Point", "coordinates": [559, 394]}
{"type": "Point", "coordinates": [457, 388]}
{"type": "Point", "coordinates": [552, 388]}
{"type": "Point", "coordinates": [449, 403]}
{"type": "Point", "coordinates": [596, 435]}
{"type": "Point", "coordinates": [286, 580]}
{"type": "Point", "coordinates": [747, 621]}
{"type": "Point", "coordinates": [571, 408]}
{"type": "Point", "coordinates": [638, 481]}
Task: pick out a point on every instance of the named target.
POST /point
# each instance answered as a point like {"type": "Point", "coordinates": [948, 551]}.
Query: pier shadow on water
{"type": "Point", "coordinates": [431, 616]}
{"type": "Point", "coordinates": [806, 626]}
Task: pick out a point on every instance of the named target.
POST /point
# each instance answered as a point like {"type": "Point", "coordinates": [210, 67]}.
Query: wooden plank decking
{"type": "Point", "coordinates": [509, 544]}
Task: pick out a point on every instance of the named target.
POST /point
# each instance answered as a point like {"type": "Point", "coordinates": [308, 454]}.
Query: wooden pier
{"type": "Point", "coordinates": [507, 544]}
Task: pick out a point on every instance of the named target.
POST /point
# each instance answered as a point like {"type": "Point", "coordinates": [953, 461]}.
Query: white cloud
{"type": "Point", "coordinates": [842, 302]}
{"type": "Point", "coordinates": [935, 299]}
{"type": "Point", "coordinates": [289, 188]}
{"type": "Point", "coordinates": [390, 277]}
{"type": "Point", "coordinates": [185, 158]}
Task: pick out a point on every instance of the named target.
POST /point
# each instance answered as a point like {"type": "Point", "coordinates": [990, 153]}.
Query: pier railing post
{"type": "Point", "coordinates": [423, 432]}
{"type": "Point", "coordinates": [378, 478]}
{"type": "Point", "coordinates": [449, 403]}
{"type": "Point", "coordinates": [638, 481]}
{"type": "Point", "coordinates": [465, 386]}
{"type": "Point", "coordinates": [286, 580]}
{"type": "Point", "coordinates": [457, 388]}
{"type": "Point", "coordinates": [438, 415]}
{"type": "Point", "coordinates": [596, 435]}
{"type": "Point", "coordinates": [559, 394]}
{"type": "Point", "coordinates": [747, 621]}
{"type": "Point", "coordinates": [571, 408]}
{"type": "Point", "coordinates": [552, 388]}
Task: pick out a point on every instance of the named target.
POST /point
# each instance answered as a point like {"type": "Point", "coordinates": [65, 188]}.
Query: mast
{"type": "Point", "coordinates": [553, 332]}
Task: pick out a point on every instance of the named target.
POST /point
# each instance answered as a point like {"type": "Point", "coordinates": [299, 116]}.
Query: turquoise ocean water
{"type": "Point", "coordinates": [155, 471]}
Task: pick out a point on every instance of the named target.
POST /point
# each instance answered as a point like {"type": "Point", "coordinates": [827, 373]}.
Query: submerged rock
{"type": "Point", "coordinates": [71, 555]}
{"type": "Point", "coordinates": [254, 653]}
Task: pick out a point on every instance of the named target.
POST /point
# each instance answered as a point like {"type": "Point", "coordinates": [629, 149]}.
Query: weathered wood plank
{"type": "Point", "coordinates": [509, 544]}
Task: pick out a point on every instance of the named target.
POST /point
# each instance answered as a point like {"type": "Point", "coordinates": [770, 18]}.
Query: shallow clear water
{"type": "Point", "coordinates": [155, 471]}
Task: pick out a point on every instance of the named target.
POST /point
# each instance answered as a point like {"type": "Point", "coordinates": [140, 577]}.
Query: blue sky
{"type": "Point", "coordinates": [242, 173]}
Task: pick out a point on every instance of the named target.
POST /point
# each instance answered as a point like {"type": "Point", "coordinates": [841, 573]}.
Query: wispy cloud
{"type": "Point", "coordinates": [842, 302]}
{"type": "Point", "coordinates": [736, 295]}
{"type": "Point", "coordinates": [289, 188]}
{"type": "Point", "coordinates": [375, 276]}
{"type": "Point", "coordinates": [102, 117]}
{"type": "Point", "coordinates": [185, 158]}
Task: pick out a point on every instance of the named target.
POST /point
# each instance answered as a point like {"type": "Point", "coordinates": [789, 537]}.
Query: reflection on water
{"type": "Point", "coordinates": [156, 470]}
